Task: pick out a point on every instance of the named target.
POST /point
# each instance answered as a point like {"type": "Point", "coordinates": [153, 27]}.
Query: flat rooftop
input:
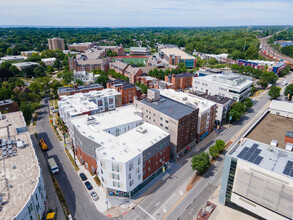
{"type": "Point", "coordinates": [169, 107]}
{"type": "Point", "coordinates": [215, 98]}
{"type": "Point", "coordinates": [282, 106]}
{"type": "Point", "coordinates": [272, 127]}
{"type": "Point", "coordinates": [25, 64]}
{"type": "Point", "coordinates": [76, 104]}
{"type": "Point", "coordinates": [22, 170]}
{"type": "Point", "coordinates": [273, 159]}
{"type": "Point", "coordinates": [188, 99]}
{"type": "Point", "coordinates": [231, 79]}
{"type": "Point", "coordinates": [177, 52]}
{"type": "Point", "coordinates": [126, 145]}
{"type": "Point", "coordinates": [80, 88]}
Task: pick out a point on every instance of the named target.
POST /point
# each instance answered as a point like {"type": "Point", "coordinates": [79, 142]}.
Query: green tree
{"type": "Point", "coordinates": [251, 53]}
{"type": "Point", "coordinates": [270, 77]}
{"type": "Point", "coordinates": [248, 103]}
{"type": "Point", "coordinates": [50, 69]}
{"type": "Point", "coordinates": [39, 71]}
{"type": "Point", "coordinates": [200, 162]}
{"type": "Point", "coordinates": [27, 111]}
{"type": "Point", "coordinates": [289, 91]}
{"type": "Point", "coordinates": [67, 77]}
{"type": "Point", "coordinates": [274, 92]}
{"type": "Point", "coordinates": [220, 144]}
{"type": "Point", "coordinates": [237, 55]}
{"type": "Point", "coordinates": [79, 82]}
{"type": "Point", "coordinates": [214, 151]}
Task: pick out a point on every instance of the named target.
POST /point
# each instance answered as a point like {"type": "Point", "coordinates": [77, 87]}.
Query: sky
{"type": "Point", "coordinates": [146, 13]}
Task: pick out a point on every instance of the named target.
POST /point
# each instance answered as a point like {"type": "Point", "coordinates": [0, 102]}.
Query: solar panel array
{"type": "Point", "coordinates": [288, 169]}
{"type": "Point", "coordinates": [251, 154]}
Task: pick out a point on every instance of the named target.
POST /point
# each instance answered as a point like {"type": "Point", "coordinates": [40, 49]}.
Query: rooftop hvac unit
{"type": "Point", "coordinates": [141, 130]}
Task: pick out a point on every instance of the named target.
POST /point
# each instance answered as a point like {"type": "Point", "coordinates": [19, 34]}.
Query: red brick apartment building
{"type": "Point", "coordinates": [180, 81]}
{"type": "Point", "coordinates": [128, 90]}
{"type": "Point", "coordinates": [8, 106]}
{"type": "Point", "coordinates": [132, 73]}
{"type": "Point", "coordinates": [118, 66]}
{"type": "Point", "coordinates": [155, 162]}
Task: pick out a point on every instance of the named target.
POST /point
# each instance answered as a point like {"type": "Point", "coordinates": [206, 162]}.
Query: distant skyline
{"type": "Point", "coordinates": [146, 13]}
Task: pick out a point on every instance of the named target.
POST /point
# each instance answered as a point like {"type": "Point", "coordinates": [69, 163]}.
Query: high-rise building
{"type": "Point", "coordinates": [56, 43]}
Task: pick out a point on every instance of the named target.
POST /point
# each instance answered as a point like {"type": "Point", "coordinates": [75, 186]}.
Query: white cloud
{"type": "Point", "coordinates": [146, 12]}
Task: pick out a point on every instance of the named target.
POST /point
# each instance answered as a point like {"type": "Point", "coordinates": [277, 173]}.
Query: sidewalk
{"type": "Point", "coordinates": [225, 212]}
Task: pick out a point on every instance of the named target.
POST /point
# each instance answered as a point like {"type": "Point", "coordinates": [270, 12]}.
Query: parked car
{"type": "Point", "coordinates": [83, 176]}
{"type": "Point", "coordinates": [88, 185]}
{"type": "Point", "coordinates": [94, 195]}
{"type": "Point", "coordinates": [55, 110]}
{"type": "Point", "coordinates": [51, 107]}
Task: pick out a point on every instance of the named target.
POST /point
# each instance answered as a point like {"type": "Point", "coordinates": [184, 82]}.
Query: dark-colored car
{"type": "Point", "coordinates": [83, 176]}
{"type": "Point", "coordinates": [88, 185]}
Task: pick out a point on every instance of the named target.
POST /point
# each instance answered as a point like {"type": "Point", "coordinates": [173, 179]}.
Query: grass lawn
{"type": "Point", "coordinates": [135, 60]}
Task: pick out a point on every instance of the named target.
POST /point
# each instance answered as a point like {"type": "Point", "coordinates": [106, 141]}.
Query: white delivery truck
{"type": "Point", "coordinates": [53, 166]}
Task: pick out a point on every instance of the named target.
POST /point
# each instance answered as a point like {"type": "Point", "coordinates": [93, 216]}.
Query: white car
{"type": "Point", "coordinates": [284, 83]}
{"type": "Point", "coordinates": [55, 110]}
{"type": "Point", "coordinates": [94, 195]}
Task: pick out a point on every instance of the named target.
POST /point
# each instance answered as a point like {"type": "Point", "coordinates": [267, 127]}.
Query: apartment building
{"type": "Point", "coordinates": [128, 90]}
{"type": "Point", "coordinates": [180, 81]}
{"type": "Point", "coordinates": [143, 51]}
{"type": "Point", "coordinates": [223, 106]}
{"type": "Point", "coordinates": [28, 53]}
{"type": "Point", "coordinates": [49, 61]}
{"type": "Point", "coordinates": [227, 84]}
{"type": "Point", "coordinates": [56, 43]}
{"type": "Point", "coordinates": [13, 58]}
{"type": "Point", "coordinates": [118, 49]}
{"type": "Point", "coordinates": [89, 103]}
{"type": "Point", "coordinates": [77, 89]}
{"type": "Point", "coordinates": [23, 195]}
{"type": "Point", "coordinates": [173, 117]}
{"type": "Point", "coordinates": [124, 151]}
{"type": "Point", "coordinates": [257, 173]}
{"type": "Point", "coordinates": [8, 105]}
{"type": "Point", "coordinates": [90, 60]}
{"type": "Point", "coordinates": [132, 73]}
{"type": "Point", "coordinates": [21, 66]}
{"type": "Point", "coordinates": [118, 66]}
{"type": "Point", "coordinates": [84, 76]}
{"type": "Point", "coordinates": [207, 110]}
{"type": "Point", "coordinates": [160, 84]}
{"type": "Point", "coordinates": [82, 47]}
{"type": "Point", "coordinates": [175, 56]}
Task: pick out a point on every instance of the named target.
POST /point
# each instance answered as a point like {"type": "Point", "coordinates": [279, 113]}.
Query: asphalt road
{"type": "Point", "coordinates": [170, 200]}
{"type": "Point", "coordinates": [79, 203]}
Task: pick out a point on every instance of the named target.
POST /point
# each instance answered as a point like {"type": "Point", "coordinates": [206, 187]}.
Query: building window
{"type": "Point", "coordinates": [138, 161]}
{"type": "Point", "coordinates": [113, 183]}
{"type": "Point", "coordinates": [166, 127]}
{"type": "Point", "coordinates": [130, 166]}
{"type": "Point", "coordinates": [118, 184]}
{"type": "Point", "coordinates": [167, 121]}
{"type": "Point", "coordinates": [149, 169]}
{"type": "Point", "coordinates": [139, 176]}
{"type": "Point", "coordinates": [161, 125]}
{"type": "Point", "coordinates": [161, 118]}
{"type": "Point", "coordinates": [129, 175]}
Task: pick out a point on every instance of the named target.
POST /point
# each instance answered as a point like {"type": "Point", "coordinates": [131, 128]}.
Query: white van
{"type": "Point", "coordinates": [53, 166]}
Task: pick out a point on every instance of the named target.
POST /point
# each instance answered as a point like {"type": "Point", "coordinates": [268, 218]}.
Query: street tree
{"type": "Point", "coordinates": [289, 91]}
{"type": "Point", "coordinates": [67, 77]}
{"type": "Point", "coordinates": [274, 92]}
{"type": "Point", "coordinates": [200, 162]}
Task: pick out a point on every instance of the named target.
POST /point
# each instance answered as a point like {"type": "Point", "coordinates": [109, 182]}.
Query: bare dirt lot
{"type": "Point", "coordinates": [272, 127]}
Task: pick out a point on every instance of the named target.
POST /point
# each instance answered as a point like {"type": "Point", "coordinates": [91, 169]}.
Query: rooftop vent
{"type": "Point", "coordinates": [141, 130]}
{"type": "Point", "coordinates": [90, 120]}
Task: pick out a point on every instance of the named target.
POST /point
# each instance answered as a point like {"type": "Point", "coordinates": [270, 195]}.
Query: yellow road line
{"type": "Point", "coordinates": [174, 205]}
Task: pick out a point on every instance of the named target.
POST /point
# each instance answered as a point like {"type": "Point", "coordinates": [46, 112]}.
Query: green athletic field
{"type": "Point", "coordinates": [135, 60]}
